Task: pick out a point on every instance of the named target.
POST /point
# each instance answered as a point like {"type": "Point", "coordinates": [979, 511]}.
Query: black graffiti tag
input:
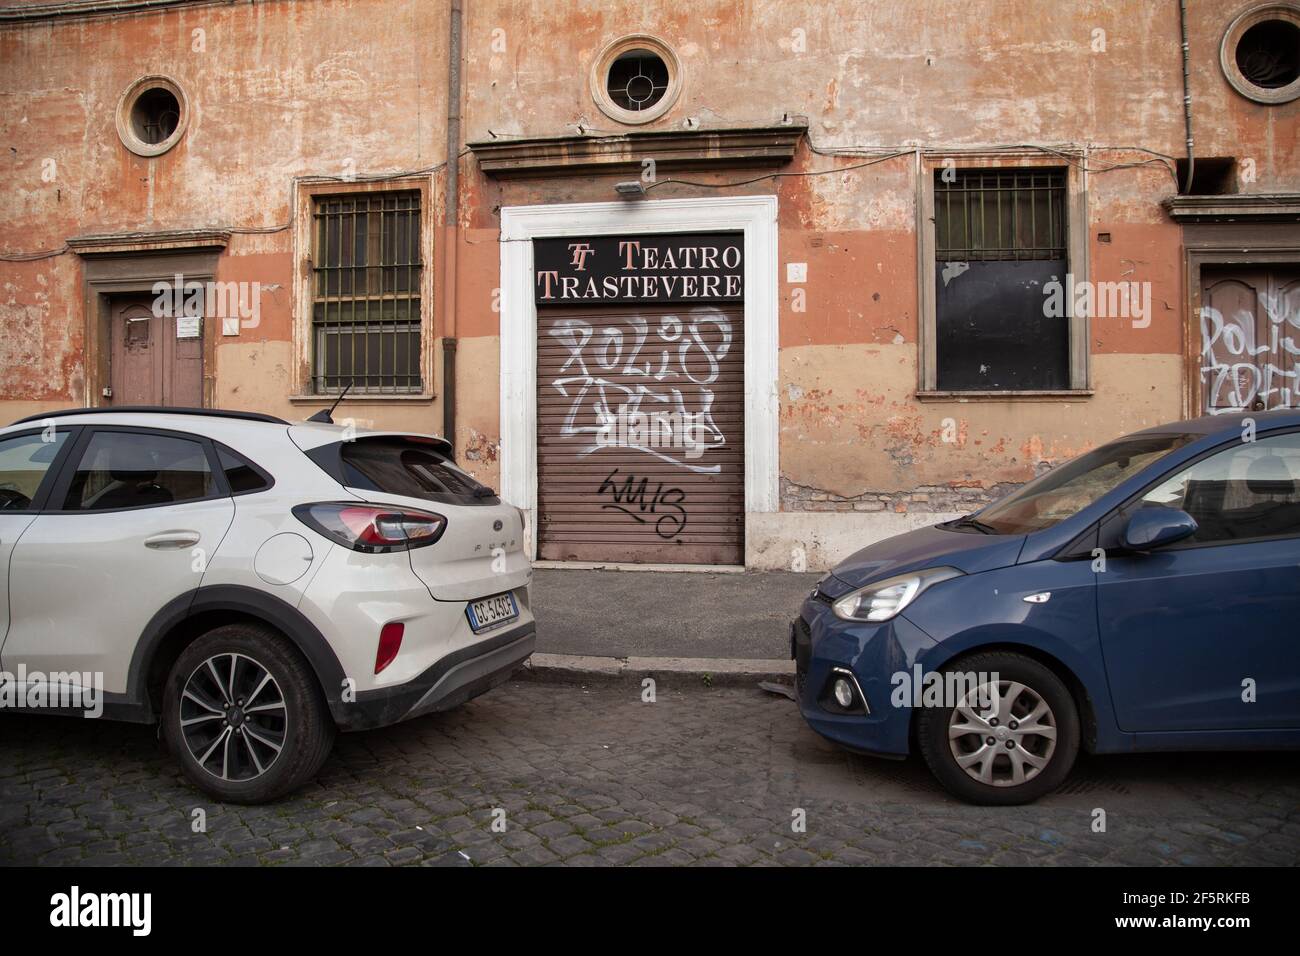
{"type": "Point", "coordinates": [665, 505]}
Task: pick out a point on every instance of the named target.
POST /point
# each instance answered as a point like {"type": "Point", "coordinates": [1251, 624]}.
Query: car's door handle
{"type": "Point", "coordinates": [172, 540]}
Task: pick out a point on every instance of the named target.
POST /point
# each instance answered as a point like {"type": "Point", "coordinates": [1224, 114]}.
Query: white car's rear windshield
{"type": "Point", "coordinates": [408, 466]}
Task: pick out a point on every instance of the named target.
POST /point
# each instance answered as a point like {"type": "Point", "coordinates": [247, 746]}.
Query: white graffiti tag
{"type": "Point", "coordinates": [665, 378]}
{"type": "Point", "coordinates": [1237, 369]}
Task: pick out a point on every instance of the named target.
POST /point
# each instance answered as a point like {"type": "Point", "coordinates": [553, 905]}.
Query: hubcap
{"type": "Point", "coordinates": [233, 717]}
{"type": "Point", "coordinates": [1007, 743]}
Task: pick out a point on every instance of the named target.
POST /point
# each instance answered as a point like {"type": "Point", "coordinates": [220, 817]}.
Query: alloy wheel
{"type": "Point", "coordinates": [1002, 735]}
{"type": "Point", "coordinates": [233, 717]}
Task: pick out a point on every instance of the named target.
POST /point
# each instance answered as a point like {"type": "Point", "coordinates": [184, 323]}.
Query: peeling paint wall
{"type": "Point", "coordinates": [277, 91]}
{"type": "Point", "coordinates": [284, 90]}
{"type": "Point", "coordinates": [937, 76]}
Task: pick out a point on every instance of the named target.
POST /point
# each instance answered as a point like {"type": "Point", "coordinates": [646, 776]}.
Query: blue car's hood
{"type": "Point", "coordinates": [932, 547]}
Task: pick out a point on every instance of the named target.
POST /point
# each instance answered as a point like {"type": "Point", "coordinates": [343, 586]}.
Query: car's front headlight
{"type": "Point", "coordinates": [882, 600]}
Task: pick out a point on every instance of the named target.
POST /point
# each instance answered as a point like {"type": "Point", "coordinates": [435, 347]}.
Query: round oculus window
{"type": "Point", "coordinates": [636, 79]}
{"type": "Point", "coordinates": [1260, 54]}
{"type": "Point", "coordinates": [152, 115]}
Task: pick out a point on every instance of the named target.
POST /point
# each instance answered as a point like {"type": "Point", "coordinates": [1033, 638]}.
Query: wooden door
{"type": "Point", "coordinates": [154, 360]}
{"type": "Point", "coordinates": [1250, 338]}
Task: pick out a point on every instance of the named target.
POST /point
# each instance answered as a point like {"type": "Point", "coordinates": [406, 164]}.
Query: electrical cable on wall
{"type": "Point", "coordinates": [759, 179]}
{"type": "Point", "coordinates": [889, 152]}
{"type": "Point", "coordinates": [256, 230]}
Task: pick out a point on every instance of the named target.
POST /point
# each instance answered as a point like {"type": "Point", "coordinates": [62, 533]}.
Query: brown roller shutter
{"type": "Point", "coordinates": [664, 488]}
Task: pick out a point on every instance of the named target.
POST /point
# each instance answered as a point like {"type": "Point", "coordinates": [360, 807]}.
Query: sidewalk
{"type": "Point", "coordinates": [614, 624]}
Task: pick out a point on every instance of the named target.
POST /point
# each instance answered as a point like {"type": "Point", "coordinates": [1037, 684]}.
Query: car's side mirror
{"type": "Point", "coordinates": [1152, 528]}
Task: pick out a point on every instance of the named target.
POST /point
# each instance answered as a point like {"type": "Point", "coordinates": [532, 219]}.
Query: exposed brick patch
{"type": "Point", "coordinates": [924, 499]}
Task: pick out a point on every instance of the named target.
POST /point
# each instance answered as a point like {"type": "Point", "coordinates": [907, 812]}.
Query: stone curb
{"type": "Point", "coordinates": [708, 671]}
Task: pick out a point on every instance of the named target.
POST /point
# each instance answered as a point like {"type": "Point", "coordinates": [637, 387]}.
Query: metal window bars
{"type": "Point", "coordinates": [637, 80]}
{"type": "Point", "coordinates": [366, 277]}
{"type": "Point", "coordinates": [999, 214]}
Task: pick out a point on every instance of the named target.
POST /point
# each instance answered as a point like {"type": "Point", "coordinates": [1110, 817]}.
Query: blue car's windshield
{"type": "Point", "coordinates": [1069, 488]}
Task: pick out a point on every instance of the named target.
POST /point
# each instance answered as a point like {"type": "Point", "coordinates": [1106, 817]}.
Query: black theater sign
{"type": "Point", "coordinates": [695, 267]}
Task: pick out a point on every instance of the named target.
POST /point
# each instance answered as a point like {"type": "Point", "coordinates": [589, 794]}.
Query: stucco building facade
{"type": "Point", "coordinates": [872, 262]}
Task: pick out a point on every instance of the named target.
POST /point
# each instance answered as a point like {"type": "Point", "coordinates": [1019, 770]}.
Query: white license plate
{"type": "Point", "coordinates": [492, 611]}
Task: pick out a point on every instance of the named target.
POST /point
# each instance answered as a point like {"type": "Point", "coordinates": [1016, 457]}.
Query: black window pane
{"type": "Point", "coordinates": [240, 473]}
{"type": "Point", "coordinates": [1252, 490]}
{"type": "Point", "coordinates": [127, 470]}
{"type": "Point", "coordinates": [407, 466]}
{"type": "Point", "coordinates": [993, 330]}
{"type": "Point", "coordinates": [637, 80]}
{"type": "Point", "coordinates": [23, 463]}
{"type": "Point", "coordinates": [1000, 237]}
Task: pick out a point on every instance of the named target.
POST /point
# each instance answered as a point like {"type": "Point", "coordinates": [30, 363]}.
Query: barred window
{"type": "Point", "coordinates": [366, 276]}
{"type": "Point", "coordinates": [1000, 238]}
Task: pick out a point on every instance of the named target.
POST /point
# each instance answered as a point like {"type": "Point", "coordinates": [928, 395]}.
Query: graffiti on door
{"type": "Point", "coordinates": [1251, 360]}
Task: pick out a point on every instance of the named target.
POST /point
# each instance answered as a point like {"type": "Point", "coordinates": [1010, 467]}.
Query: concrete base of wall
{"type": "Point", "coordinates": [816, 541]}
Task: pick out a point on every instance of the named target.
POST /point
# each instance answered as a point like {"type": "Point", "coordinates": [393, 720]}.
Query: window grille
{"type": "Point", "coordinates": [366, 277]}
{"type": "Point", "coordinates": [999, 214]}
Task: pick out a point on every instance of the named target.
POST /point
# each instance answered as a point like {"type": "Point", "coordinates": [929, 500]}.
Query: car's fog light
{"type": "Point", "coordinates": [843, 693]}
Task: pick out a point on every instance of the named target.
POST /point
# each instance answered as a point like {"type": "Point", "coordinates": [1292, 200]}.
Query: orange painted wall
{"type": "Point", "coordinates": [285, 90]}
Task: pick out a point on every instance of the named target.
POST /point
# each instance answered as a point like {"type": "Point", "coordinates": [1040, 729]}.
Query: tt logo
{"type": "Point", "coordinates": [580, 252]}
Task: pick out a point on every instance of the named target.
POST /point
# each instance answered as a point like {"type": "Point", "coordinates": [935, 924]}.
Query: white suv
{"type": "Point", "coordinates": [250, 583]}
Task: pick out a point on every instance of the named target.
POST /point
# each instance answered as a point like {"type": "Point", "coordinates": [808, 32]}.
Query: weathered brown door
{"type": "Point", "coordinates": [154, 360]}
{"type": "Point", "coordinates": [1250, 338]}
{"type": "Point", "coordinates": [640, 430]}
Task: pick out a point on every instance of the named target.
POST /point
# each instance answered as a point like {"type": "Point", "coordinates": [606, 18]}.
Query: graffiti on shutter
{"type": "Point", "coordinates": [640, 434]}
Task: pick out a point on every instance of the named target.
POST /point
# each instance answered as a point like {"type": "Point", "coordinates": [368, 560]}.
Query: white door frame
{"type": "Point", "coordinates": [755, 216]}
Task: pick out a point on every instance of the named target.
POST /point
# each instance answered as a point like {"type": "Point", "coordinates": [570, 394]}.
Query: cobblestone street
{"type": "Point", "coordinates": [593, 776]}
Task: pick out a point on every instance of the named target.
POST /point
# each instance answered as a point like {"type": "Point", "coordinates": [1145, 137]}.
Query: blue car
{"type": "Point", "coordinates": [1144, 596]}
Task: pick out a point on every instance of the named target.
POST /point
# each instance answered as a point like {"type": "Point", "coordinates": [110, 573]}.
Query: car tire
{"type": "Point", "coordinates": [970, 767]}
{"type": "Point", "coordinates": [237, 757]}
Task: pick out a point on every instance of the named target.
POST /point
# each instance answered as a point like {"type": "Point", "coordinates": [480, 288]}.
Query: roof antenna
{"type": "Point", "coordinates": [327, 415]}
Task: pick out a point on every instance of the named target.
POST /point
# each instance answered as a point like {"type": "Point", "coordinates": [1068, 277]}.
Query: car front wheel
{"type": "Point", "coordinates": [244, 716]}
{"type": "Point", "coordinates": [1010, 736]}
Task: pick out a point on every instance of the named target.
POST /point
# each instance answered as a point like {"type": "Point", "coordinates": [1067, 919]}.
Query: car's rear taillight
{"type": "Point", "coordinates": [390, 642]}
{"type": "Point", "coordinates": [375, 529]}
